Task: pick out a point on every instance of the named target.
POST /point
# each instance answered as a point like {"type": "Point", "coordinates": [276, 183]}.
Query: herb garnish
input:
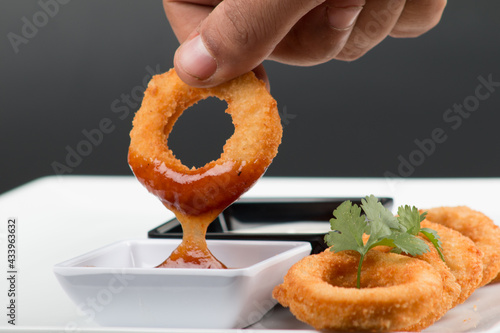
{"type": "Point", "coordinates": [399, 232]}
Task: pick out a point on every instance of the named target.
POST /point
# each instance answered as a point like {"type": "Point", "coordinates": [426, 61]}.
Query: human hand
{"type": "Point", "coordinates": [224, 39]}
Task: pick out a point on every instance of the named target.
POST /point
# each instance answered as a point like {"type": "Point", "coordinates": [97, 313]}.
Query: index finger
{"type": "Point", "coordinates": [186, 15]}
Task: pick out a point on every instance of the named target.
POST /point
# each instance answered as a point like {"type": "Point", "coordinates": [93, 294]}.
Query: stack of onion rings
{"type": "Point", "coordinates": [450, 292]}
{"type": "Point", "coordinates": [479, 228]}
{"type": "Point", "coordinates": [319, 289]}
{"type": "Point", "coordinates": [462, 257]}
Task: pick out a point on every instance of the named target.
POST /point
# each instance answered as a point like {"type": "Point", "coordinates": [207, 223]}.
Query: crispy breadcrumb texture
{"type": "Point", "coordinates": [479, 228]}
{"type": "Point", "coordinates": [396, 291]}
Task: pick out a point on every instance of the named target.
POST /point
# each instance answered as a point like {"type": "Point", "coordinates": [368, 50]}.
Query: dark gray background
{"type": "Point", "coordinates": [340, 119]}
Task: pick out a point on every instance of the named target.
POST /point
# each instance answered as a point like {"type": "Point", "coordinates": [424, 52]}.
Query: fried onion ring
{"type": "Point", "coordinates": [396, 291]}
{"type": "Point", "coordinates": [247, 153]}
{"type": "Point", "coordinates": [496, 279]}
{"type": "Point", "coordinates": [450, 292]}
{"type": "Point", "coordinates": [462, 256]}
{"type": "Point", "coordinates": [198, 195]}
{"type": "Point", "coordinates": [451, 288]}
{"type": "Point", "coordinates": [479, 228]}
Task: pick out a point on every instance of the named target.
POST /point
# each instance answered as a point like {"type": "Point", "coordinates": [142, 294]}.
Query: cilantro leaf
{"type": "Point", "coordinates": [381, 221]}
{"type": "Point", "coordinates": [408, 243]}
{"type": "Point", "coordinates": [410, 218]}
{"type": "Point", "coordinates": [348, 226]}
{"type": "Point", "coordinates": [433, 237]}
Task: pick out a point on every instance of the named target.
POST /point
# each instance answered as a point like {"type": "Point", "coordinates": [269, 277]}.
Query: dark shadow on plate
{"type": "Point", "coordinates": [290, 219]}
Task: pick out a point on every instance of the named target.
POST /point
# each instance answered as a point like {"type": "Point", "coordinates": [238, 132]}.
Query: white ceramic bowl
{"type": "Point", "coordinates": [118, 285]}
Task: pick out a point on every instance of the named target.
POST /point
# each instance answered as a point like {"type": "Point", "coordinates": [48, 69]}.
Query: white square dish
{"type": "Point", "coordinates": [117, 285]}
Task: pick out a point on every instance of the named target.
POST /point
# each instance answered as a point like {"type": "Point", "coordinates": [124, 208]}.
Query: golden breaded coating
{"type": "Point", "coordinates": [451, 289]}
{"type": "Point", "coordinates": [462, 256]}
{"type": "Point", "coordinates": [246, 156]}
{"type": "Point", "coordinates": [496, 279]}
{"type": "Point", "coordinates": [320, 289]}
{"type": "Point", "coordinates": [396, 291]}
{"type": "Point", "coordinates": [479, 228]}
{"type": "Point", "coordinates": [198, 195]}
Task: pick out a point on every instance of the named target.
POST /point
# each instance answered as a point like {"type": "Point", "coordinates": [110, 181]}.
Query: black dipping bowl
{"type": "Point", "coordinates": [248, 213]}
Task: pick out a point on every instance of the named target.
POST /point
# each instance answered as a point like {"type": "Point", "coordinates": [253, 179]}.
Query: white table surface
{"type": "Point", "coordinates": [62, 217]}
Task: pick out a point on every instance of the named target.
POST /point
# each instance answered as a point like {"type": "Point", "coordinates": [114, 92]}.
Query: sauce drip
{"type": "Point", "coordinates": [196, 197]}
{"type": "Point", "coordinates": [193, 251]}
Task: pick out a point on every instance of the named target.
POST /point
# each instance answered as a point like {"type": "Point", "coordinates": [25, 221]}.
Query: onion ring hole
{"type": "Point", "coordinates": [192, 141]}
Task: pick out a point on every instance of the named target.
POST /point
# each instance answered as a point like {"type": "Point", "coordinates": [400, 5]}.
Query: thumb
{"type": "Point", "coordinates": [235, 38]}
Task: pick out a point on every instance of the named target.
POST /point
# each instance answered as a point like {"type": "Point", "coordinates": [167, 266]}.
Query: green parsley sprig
{"type": "Point", "coordinates": [399, 232]}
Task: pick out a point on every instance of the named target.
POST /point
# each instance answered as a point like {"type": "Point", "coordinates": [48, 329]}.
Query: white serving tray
{"type": "Point", "coordinates": [63, 217]}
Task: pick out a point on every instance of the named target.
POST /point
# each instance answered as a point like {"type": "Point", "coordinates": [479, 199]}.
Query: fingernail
{"type": "Point", "coordinates": [195, 59]}
{"type": "Point", "coordinates": [343, 18]}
